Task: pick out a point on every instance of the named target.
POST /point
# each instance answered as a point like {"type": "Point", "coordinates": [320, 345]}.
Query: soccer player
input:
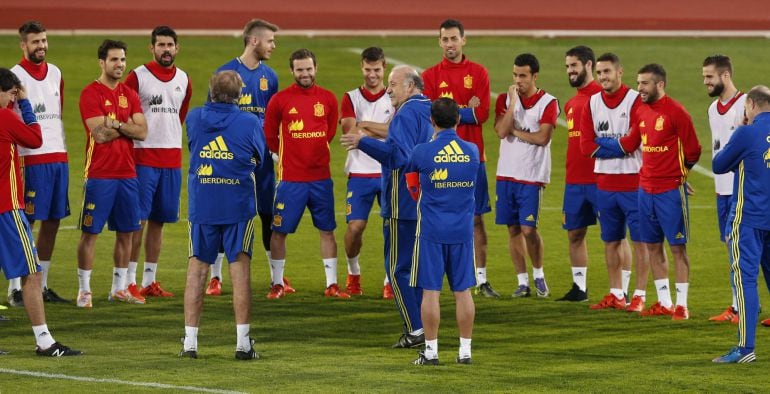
{"type": "Point", "coordinates": [579, 205]}
{"type": "Point", "coordinates": [366, 109]}
{"type": "Point", "coordinates": [444, 172]}
{"type": "Point", "coordinates": [747, 154]}
{"type": "Point", "coordinates": [46, 169]}
{"type": "Point", "coordinates": [610, 113]}
{"type": "Point", "coordinates": [525, 121]}
{"type": "Point", "coordinates": [725, 115]}
{"type": "Point", "coordinates": [165, 92]}
{"type": "Point", "coordinates": [260, 83]}
{"type": "Point", "coordinates": [225, 147]}
{"type": "Point", "coordinates": [18, 257]}
{"type": "Point", "coordinates": [113, 119]}
{"type": "Point", "coordinates": [467, 83]}
{"type": "Point", "coordinates": [300, 121]}
{"type": "Point", "coordinates": [409, 127]}
{"type": "Point", "coordinates": [670, 148]}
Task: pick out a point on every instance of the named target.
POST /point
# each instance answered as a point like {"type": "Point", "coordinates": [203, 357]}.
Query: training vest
{"type": "Point", "coordinates": [161, 103]}
{"type": "Point", "coordinates": [615, 123]}
{"type": "Point", "coordinates": [379, 111]}
{"type": "Point", "coordinates": [723, 120]}
{"type": "Point", "coordinates": [45, 98]}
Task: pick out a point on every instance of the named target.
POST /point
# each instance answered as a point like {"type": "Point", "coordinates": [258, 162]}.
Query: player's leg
{"type": "Point", "coordinates": [321, 205]}
{"type": "Point", "coordinates": [480, 233]}
{"type": "Point", "coordinates": [673, 213]}
{"type": "Point", "coordinates": [613, 233]}
{"type": "Point", "coordinates": [265, 185]}
{"type": "Point", "coordinates": [578, 212]}
{"type": "Point", "coordinates": [46, 240]}
{"type": "Point", "coordinates": [507, 213]}
{"type": "Point", "coordinates": [460, 278]}
{"type": "Point", "coordinates": [290, 201]}
{"type": "Point", "coordinates": [237, 241]}
{"type": "Point", "coordinates": [428, 262]}
{"type": "Point", "coordinates": [651, 235]}
{"type": "Point", "coordinates": [408, 299]}
{"type": "Point", "coordinates": [149, 178]}
{"type": "Point", "coordinates": [98, 199]}
{"type": "Point", "coordinates": [529, 200]}
{"type": "Point", "coordinates": [642, 275]}
{"type": "Point", "coordinates": [360, 196]}
{"type": "Point", "coordinates": [205, 241]}
{"type": "Point", "coordinates": [124, 220]}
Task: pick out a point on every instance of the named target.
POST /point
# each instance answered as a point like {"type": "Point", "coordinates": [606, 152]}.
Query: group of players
{"type": "Point", "coordinates": [629, 153]}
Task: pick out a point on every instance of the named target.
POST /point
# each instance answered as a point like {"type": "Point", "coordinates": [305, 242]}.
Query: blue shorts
{"type": "Point", "coordinates": [265, 184]}
{"type": "Point", "coordinates": [482, 191]}
{"type": "Point", "coordinates": [112, 201]}
{"type": "Point", "coordinates": [18, 256]}
{"type": "Point", "coordinates": [362, 192]}
{"type": "Point", "coordinates": [618, 210]}
{"type": "Point", "coordinates": [664, 215]}
{"type": "Point", "coordinates": [159, 190]}
{"type": "Point", "coordinates": [579, 209]}
{"type": "Point", "coordinates": [432, 260]}
{"type": "Point", "coordinates": [291, 198]}
{"type": "Point", "coordinates": [517, 203]}
{"type": "Point", "coordinates": [206, 240]}
{"type": "Point", "coordinates": [723, 210]}
{"type": "Point", "coordinates": [45, 191]}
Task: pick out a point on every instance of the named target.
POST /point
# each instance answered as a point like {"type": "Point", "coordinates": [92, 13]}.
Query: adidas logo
{"type": "Point", "coordinates": [452, 153]}
{"type": "Point", "coordinates": [216, 149]}
{"type": "Point", "coordinates": [663, 288]}
{"type": "Point", "coordinates": [148, 270]}
{"type": "Point", "coordinates": [107, 103]}
{"type": "Point", "coordinates": [642, 124]}
{"type": "Point", "coordinates": [623, 115]}
{"type": "Point", "coordinates": [569, 112]}
{"type": "Point", "coordinates": [178, 88]}
{"type": "Point", "coordinates": [717, 144]}
{"type": "Point", "coordinates": [443, 84]}
{"type": "Point", "coordinates": [578, 274]}
{"type": "Point", "coordinates": [293, 111]}
{"type": "Point", "coordinates": [679, 236]}
{"type": "Point", "coordinates": [530, 218]}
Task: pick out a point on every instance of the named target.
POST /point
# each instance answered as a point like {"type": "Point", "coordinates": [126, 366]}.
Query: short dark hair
{"type": "Point", "coordinates": [720, 62]}
{"type": "Point", "coordinates": [256, 24]}
{"type": "Point", "coordinates": [527, 59]}
{"type": "Point", "coordinates": [30, 27]}
{"type": "Point", "coordinates": [301, 54]}
{"type": "Point", "coordinates": [583, 53]}
{"type": "Point", "coordinates": [445, 112]}
{"type": "Point", "coordinates": [110, 44]}
{"type": "Point", "coordinates": [759, 95]}
{"type": "Point", "coordinates": [8, 80]}
{"type": "Point", "coordinates": [225, 87]}
{"type": "Point", "coordinates": [373, 55]}
{"type": "Point", "coordinates": [657, 71]}
{"type": "Point", "coordinates": [452, 23]}
{"type": "Point", "coordinates": [609, 57]}
{"type": "Point", "coordinates": [164, 31]}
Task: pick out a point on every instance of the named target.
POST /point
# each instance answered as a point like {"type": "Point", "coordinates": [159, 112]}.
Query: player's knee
{"type": "Point", "coordinates": [356, 227]}
{"type": "Point", "coordinates": [576, 236]}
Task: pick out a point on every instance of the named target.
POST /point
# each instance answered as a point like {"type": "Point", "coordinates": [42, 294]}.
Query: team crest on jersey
{"type": "Point", "coordinates": [659, 123]}
{"type": "Point", "coordinates": [318, 109]}
{"type": "Point", "coordinates": [29, 209]}
{"type": "Point", "coordinates": [296, 125]}
{"type": "Point", "coordinates": [439, 174]}
{"type": "Point", "coordinates": [468, 82]}
{"type": "Point", "coordinates": [448, 95]}
{"type": "Point", "coordinates": [122, 101]}
{"type": "Point", "coordinates": [277, 220]}
{"type": "Point", "coordinates": [245, 99]}
{"type": "Point", "coordinates": [293, 111]}
{"type": "Point", "coordinates": [263, 84]}
{"type": "Point", "coordinates": [443, 85]}
{"type": "Point", "coordinates": [205, 170]}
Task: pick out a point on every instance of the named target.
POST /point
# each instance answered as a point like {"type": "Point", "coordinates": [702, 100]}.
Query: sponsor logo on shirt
{"type": "Point", "coordinates": [216, 149]}
{"type": "Point", "coordinates": [603, 126]}
{"type": "Point", "coordinates": [156, 99]}
{"type": "Point", "coordinates": [452, 153]}
{"type": "Point", "coordinates": [570, 125]}
{"type": "Point", "coordinates": [446, 95]}
{"type": "Point", "coordinates": [439, 174]}
{"type": "Point", "coordinates": [245, 99]}
{"type": "Point", "coordinates": [296, 125]}
{"type": "Point", "coordinates": [204, 170]}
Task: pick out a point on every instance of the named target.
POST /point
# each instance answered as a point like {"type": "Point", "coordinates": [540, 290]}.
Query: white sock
{"type": "Point", "coordinates": [481, 275]}
{"type": "Point", "coordinates": [46, 265]}
{"type": "Point", "coordinates": [431, 349]}
{"type": "Point", "coordinates": [131, 277]}
{"type": "Point", "coordinates": [664, 293]}
{"type": "Point", "coordinates": [417, 332]}
{"type": "Point", "coordinates": [465, 347]}
{"type": "Point", "coordinates": [43, 337]}
{"type": "Point", "coordinates": [353, 267]}
{"type": "Point", "coordinates": [243, 341]}
{"type": "Point", "coordinates": [385, 282]}
{"type": "Point", "coordinates": [537, 273]}
{"type": "Point", "coordinates": [269, 257]}
{"type": "Point", "coordinates": [276, 267]}
{"type": "Point", "coordinates": [681, 293]}
{"type": "Point", "coordinates": [626, 275]}
{"type": "Point", "coordinates": [148, 275]}
{"type": "Point", "coordinates": [579, 277]}
{"type": "Point", "coordinates": [14, 284]}
{"type": "Point", "coordinates": [118, 279]}
{"type": "Point", "coordinates": [735, 301]}
{"type": "Point", "coordinates": [330, 267]}
{"type": "Point", "coordinates": [618, 293]}
{"type": "Point", "coordinates": [190, 338]}
{"type": "Point", "coordinates": [523, 279]}
{"type": "Point", "coordinates": [84, 280]}
{"type": "Point", "coordinates": [641, 293]}
{"type": "Point", "coordinates": [216, 268]}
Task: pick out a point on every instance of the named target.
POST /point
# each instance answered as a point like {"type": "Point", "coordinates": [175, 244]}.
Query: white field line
{"type": "Point", "coordinates": [154, 385]}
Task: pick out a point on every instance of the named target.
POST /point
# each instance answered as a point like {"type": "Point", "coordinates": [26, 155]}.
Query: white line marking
{"type": "Point", "coordinates": [114, 381]}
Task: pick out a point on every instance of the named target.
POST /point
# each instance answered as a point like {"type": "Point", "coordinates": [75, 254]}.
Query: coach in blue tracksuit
{"type": "Point", "coordinates": [747, 154]}
{"type": "Point", "coordinates": [410, 126]}
{"type": "Point", "coordinates": [225, 146]}
{"type": "Point", "coordinates": [442, 178]}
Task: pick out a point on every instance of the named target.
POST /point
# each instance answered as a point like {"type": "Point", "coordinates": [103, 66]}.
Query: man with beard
{"type": "Point", "coordinates": [46, 169]}
{"type": "Point", "coordinates": [165, 92]}
{"type": "Point", "coordinates": [670, 148]}
{"type": "Point", "coordinates": [113, 119]}
{"type": "Point", "coordinates": [300, 121]}
{"type": "Point", "coordinates": [579, 205]}
{"type": "Point", "coordinates": [260, 83]}
{"type": "Point", "coordinates": [611, 113]}
{"type": "Point", "coordinates": [467, 83]}
{"type": "Point", "coordinates": [368, 110]}
{"type": "Point", "coordinates": [725, 115]}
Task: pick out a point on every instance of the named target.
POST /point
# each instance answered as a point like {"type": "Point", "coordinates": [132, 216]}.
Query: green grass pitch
{"type": "Point", "coordinates": [311, 344]}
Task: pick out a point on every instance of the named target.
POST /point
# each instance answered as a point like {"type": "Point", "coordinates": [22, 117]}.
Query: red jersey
{"type": "Point", "coordinates": [299, 124]}
{"type": "Point", "coordinates": [114, 159]}
{"type": "Point", "coordinates": [14, 132]}
{"type": "Point", "coordinates": [460, 82]}
{"type": "Point", "coordinates": [580, 167]}
{"type": "Point", "coordinates": [669, 144]}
